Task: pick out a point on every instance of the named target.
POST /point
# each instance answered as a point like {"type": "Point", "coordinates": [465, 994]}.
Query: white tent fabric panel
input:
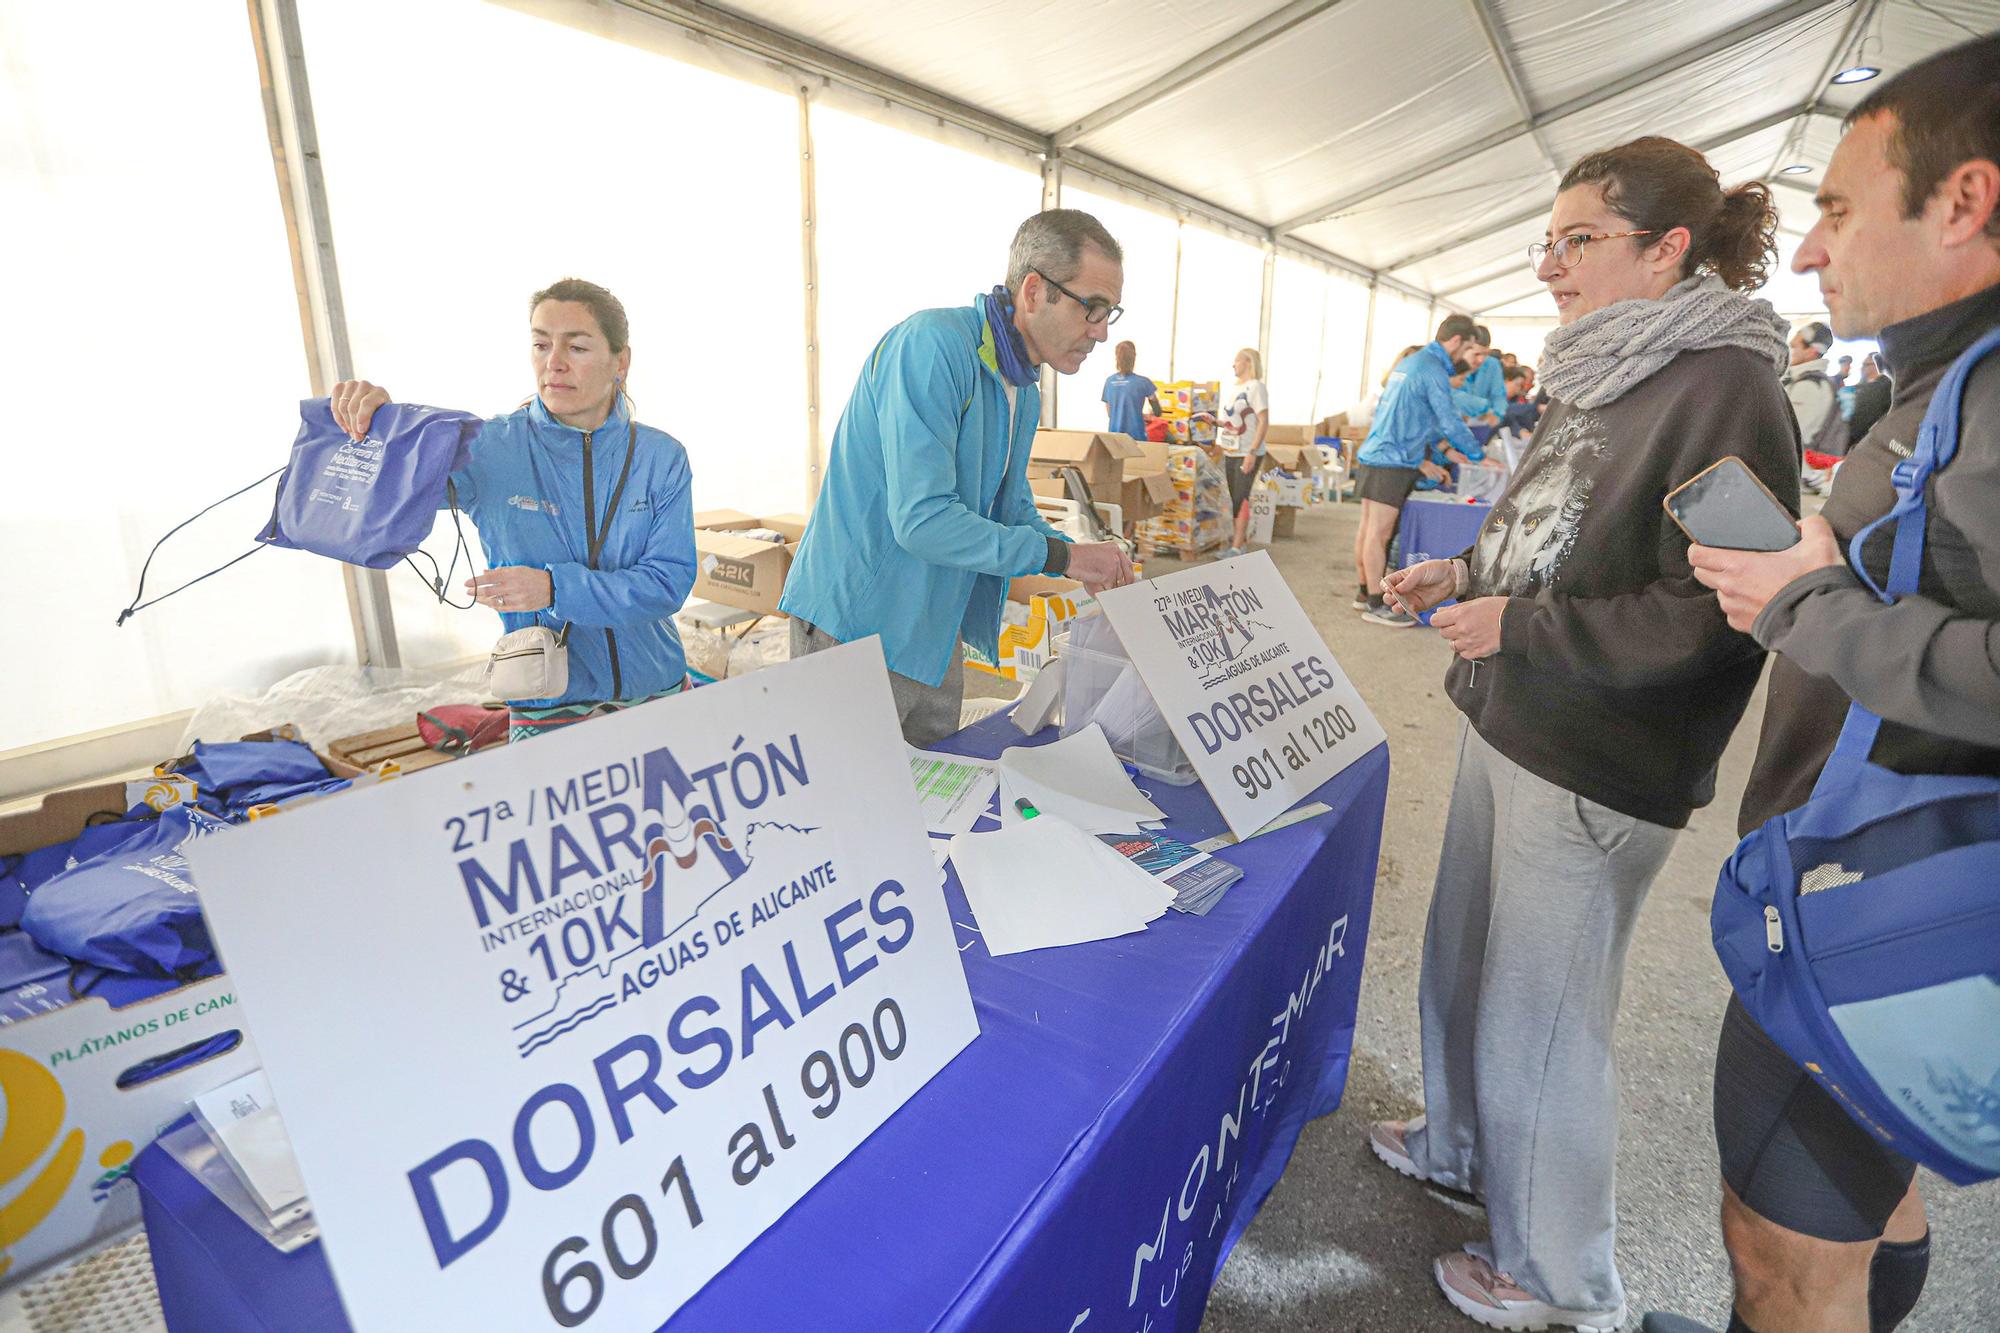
{"type": "Point", "coordinates": [1298, 319]}
{"type": "Point", "coordinates": [1344, 348]}
{"type": "Point", "coordinates": [1485, 257]}
{"type": "Point", "coordinates": [1293, 124]}
{"type": "Point", "coordinates": [1497, 182]}
{"type": "Point", "coordinates": [1043, 70]}
{"type": "Point", "coordinates": [437, 281]}
{"type": "Point", "coordinates": [156, 368]}
{"type": "Point", "coordinates": [904, 225]}
{"type": "Point", "coordinates": [1399, 322]}
{"type": "Point", "coordinates": [1222, 289]}
{"type": "Point", "coordinates": [1521, 335]}
{"type": "Point", "coordinates": [1709, 98]}
{"type": "Point", "coordinates": [1149, 240]}
{"type": "Point", "coordinates": [1902, 32]}
{"type": "Point", "coordinates": [1568, 48]}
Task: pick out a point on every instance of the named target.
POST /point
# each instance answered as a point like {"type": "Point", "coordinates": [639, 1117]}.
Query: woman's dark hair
{"type": "Point", "coordinates": [604, 307]}
{"type": "Point", "coordinates": [1459, 367]}
{"type": "Point", "coordinates": [1128, 357]}
{"type": "Point", "coordinates": [1657, 184]}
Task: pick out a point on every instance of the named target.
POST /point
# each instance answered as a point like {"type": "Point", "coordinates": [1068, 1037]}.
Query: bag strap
{"type": "Point", "coordinates": [1937, 443]}
{"type": "Point", "coordinates": [139, 603]}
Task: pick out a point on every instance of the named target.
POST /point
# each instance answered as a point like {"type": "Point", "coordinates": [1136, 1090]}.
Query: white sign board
{"type": "Point", "coordinates": [1263, 515]}
{"type": "Point", "coordinates": [1247, 685]}
{"type": "Point", "coordinates": [559, 1029]}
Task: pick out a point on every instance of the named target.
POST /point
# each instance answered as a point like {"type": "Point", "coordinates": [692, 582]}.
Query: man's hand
{"type": "Point", "coordinates": [1493, 463]}
{"type": "Point", "coordinates": [354, 404]}
{"type": "Point", "coordinates": [1433, 471]}
{"type": "Point", "coordinates": [1421, 586]}
{"type": "Point", "coordinates": [512, 588]}
{"type": "Point", "coordinates": [1746, 581]}
{"type": "Point", "coordinates": [1099, 565]}
{"type": "Point", "coordinates": [1471, 628]}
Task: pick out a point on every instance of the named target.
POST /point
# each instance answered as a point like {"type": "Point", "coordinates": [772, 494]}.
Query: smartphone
{"type": "Point", "coordinates": [1725, 505]}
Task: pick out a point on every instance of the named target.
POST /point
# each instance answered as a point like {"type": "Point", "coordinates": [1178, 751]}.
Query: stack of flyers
{"type": "Point", "coordinates": [1197, 879]}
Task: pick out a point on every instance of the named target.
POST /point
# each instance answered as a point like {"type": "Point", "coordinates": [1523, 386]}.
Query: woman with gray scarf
{"type": "Point", "coordinates": [1600, 683]}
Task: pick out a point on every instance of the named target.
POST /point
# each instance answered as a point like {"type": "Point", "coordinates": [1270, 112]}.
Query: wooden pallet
{"type": "Point", "coordinates": [401, 743]}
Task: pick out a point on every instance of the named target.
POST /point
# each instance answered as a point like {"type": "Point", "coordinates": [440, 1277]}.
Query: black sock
{"type": "Point", "coordinates": [1736, 1324]}
{"type": "Point", "coordinates": [1895, 1280]}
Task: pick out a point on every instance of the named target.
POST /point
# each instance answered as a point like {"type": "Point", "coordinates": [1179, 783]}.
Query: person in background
{"type": "Point", "coordinates": [1521, 412]}
{"type": "Point", "coordinates": [1486, 386]}
{"type": "Point", "coordinates": [1240, 429]}
{"type": "Point", "coordinates": [1127, 395]}
{"type": "Point", "coordinates": [1815, 402]}
{"type": "Point", "coordinates": [1840, 373]}
{"type": "Point", "coordinates": [1364, 414]}
{"type": "Point", "coordinates": [1599, 684]}
{"type": "Point", "coordinates": [1507, 361]}
{"type": "Point", "coordinates": [1871, 397]}
{"type": "Point", "coordinates": [926, 513]}
{"type": "Point", "coordinates": [585, 516]}
{"type": "Point", "coordinates": [1825, 1226]}
{"type": "Point", "coordinates": [1416, 411]}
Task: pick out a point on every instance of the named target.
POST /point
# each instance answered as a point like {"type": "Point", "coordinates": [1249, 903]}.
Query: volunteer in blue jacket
{"type": "Point", "coordinates": [925, 513]}
{"type": "Point", "coordinates": [568, 473]}
{"type": "Point", "coordinates": [1416, 411]}
{"type": "Point", "coordinates": [1486, 384]}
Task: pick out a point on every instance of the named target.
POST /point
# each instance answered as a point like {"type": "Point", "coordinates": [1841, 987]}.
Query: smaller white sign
{"type": "Point", "coordinates": [1263, 515]}
{"type": "Point", "coordinates": [1247, 685]}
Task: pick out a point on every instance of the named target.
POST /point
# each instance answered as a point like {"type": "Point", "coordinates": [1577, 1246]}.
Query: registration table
{"type": "Point", "coordinates": [1085, 1164]}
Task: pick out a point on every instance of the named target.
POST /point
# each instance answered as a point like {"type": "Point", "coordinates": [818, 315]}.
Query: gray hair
{"type": "Point", "coordinates": [1053, 242]}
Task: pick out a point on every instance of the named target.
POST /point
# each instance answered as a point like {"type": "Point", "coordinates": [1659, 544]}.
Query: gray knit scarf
{"type": "Point", "coordinates": [1609, 352]}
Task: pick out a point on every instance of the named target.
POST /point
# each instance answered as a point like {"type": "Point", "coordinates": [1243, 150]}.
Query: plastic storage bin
{"type": "Point", "coordinates": [1101, 685]}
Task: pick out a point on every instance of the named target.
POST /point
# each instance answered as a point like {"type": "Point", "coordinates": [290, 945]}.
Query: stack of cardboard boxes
{"type": "Point", "coordinates": [1189, 407]}
{"type": "Point", "coordinates": [1195, 520]}
{"type": "Point", "coordinates": [738, 569]}
{"type": "Point", "coordinates": [1117, 468]}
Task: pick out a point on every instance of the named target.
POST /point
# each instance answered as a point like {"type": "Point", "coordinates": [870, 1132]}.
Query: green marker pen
{"type": "Point", "coordinates": [1026, 807]}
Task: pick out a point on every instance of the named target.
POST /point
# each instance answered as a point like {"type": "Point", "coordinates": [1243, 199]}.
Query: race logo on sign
{"type": "Point", "coordinates": [1213, 627]}
{"type": "Point", "coordinates": [605, 902]}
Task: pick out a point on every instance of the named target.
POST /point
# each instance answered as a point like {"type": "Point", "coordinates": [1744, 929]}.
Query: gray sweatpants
{"type": "Point", "coordinates": [1524, 953]}
{"type": "Point", "coordinates": [928, 713]}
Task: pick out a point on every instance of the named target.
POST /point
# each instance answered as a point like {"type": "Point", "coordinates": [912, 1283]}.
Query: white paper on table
{"type": "Point", "coordinates": [1077, 779]}
{"type": "Point", "coordinates": [952, 790]}
{"type": "Point", "coordinates": [1044, 883]}
{"type": "Point", "coordinates": [1125, 708]}
{"type": "Point", "coordinates": [1040, 702]}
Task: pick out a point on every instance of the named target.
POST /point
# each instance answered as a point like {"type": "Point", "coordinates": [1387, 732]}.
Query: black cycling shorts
{"type": "Point", "coordinates": [1788, 1149]}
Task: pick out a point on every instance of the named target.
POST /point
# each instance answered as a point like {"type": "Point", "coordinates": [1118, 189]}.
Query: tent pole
{"type": "Point", "coordinates": [1052, 177]}
{"type": "Point", "coordinates": [809, 243]}
{"type": "Point", "coordinates": [295, 157]}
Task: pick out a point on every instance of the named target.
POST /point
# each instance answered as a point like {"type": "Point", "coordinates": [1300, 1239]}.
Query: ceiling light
{"type": "Point", "coordinates": [1796, 169]}
{"type": "Point", "coordinates": [1856, 74]}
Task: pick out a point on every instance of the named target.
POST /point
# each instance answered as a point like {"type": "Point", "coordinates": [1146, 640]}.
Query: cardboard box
{"type": "Point", "coordinates": [60, 1069]}
{"type": "Point", "coordinates": [743, 571]}
{"type": "Point", "coordinates": [1052, 607]}
{"type": "Point", "coordinates": [1285, 522]}
{"type": "Point", "coordinates": [1190, 430]}
{"type": "Point", "coordinates": [1297, 459]}
{"type": "Point", "coordinates": [1098, 454]}
{"type": "Point", "coordinates": [1146, 496]}
{"type": "Point", "coordinates": [1187, 397]}
{"type": "Point", "coordinates": [1153, 457]}
{"type": "Point", "coordinates": [1289, 435]}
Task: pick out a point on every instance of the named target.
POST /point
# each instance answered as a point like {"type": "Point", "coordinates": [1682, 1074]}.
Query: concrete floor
{"type": "Point", "coordinates": [1345, 1244]}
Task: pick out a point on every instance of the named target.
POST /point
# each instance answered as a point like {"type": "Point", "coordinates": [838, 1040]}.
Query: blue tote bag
{"type": "Point", "coordinates": [1862, 930]}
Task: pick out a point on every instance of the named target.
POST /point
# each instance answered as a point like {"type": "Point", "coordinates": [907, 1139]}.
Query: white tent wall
{"type": "Point", "coordinates": [1221, 294]}
{"type": "Point", "coordinates": [156, 367]}
{"type": "Point", "coordinates": [1399, 322]}
{"type": "Point", "coordinates": [485, 181]}
{"type": "Point", "coordinates": [1151, 242]}
{"type": "Point", "coordinates": [1298, 323]}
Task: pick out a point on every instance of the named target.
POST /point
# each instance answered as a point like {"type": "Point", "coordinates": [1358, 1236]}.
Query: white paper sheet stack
{"type": "Point", "coordinates": [1044, 882]}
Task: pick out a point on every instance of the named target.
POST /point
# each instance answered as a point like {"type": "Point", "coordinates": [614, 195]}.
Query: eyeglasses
{"type": "Point", "coordinates": [1568, 250]}
{"type": "Point", "coordinates": [1096, 310]}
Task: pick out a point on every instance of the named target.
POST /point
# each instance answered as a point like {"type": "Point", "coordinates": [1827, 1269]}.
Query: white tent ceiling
{"type": "Point", "coordinates": [1417, 139]}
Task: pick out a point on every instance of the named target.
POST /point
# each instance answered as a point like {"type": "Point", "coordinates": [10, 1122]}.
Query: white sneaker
{"type": "Point", "coordinates": [1490, 1297]}
{"type": "Point", "coordinates": [1389, 1140]}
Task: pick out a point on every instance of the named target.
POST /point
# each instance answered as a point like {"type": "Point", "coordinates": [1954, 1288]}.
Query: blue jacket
{"type": "Point", "coordinates": [1416, 410]}
{"type": "Point", "coordinates": [1488, 388]}
{"type": "Point", "coordinates": [523, 488]}
{"type": "Point", "coordinates": [925, 512]}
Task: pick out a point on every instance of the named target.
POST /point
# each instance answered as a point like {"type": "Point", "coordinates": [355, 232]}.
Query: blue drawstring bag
{"type": "Point", "coordinates": [370, 502]}
{"type": "Point", "coordinates": [1862, 930]}
{"type": "Point", "coordinates": [131, 907]}
{"type": "Point", "coordinates": [229, 764]}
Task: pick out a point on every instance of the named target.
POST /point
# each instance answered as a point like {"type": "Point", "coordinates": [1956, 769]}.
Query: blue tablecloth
{"type": "Point", "coordinates": [1123, 1113]}
{"type": "Point", "coordinates": [1437, 530]}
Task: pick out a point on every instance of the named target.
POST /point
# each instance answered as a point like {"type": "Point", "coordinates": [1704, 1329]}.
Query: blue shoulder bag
{"type": "Point", "coordinates": [1862, 930]}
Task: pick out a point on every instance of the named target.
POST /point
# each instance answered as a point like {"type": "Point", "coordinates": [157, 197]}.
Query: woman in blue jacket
{"type": "Point", "coordinates": [584, 514]}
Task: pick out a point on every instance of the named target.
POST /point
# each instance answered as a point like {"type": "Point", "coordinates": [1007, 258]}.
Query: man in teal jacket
{"type": "Point", "coordinates": [925, 512]}
{"type": "Point", "coordinates": [1486, 386]}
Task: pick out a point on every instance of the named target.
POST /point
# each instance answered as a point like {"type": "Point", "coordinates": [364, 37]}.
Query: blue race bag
{"type": "Point", "coordinates": [373, 502]}
{"type": "Point", "coordinates": [131, 908]}
{"type": "Point", "coordinates": [1862, 930]}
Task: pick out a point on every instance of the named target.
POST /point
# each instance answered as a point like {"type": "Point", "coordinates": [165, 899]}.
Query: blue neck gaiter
{"type": "Point", "coordinates": [1013, 352]}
